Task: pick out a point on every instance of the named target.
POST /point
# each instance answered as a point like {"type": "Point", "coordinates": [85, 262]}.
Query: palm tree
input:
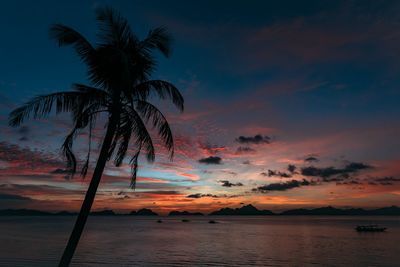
{"type": "Point", "coordinates": [119, 70]}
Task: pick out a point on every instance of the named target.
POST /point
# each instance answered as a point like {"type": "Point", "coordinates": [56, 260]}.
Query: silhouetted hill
{"type": "Point", "coordinates": [103, 213]}
{"type": "Point", "coordinates": [185, 213]}
{"type": "Point", "coordinates": [334, 211]}
{"type": "Point", "coordinates": [143, 212]}
{"type": "Point", "coordinates": [393, 210]}
{"type": "Point", "coordinates": [318, 211]}
{"type": "Point", "coordinates": [245, 210]}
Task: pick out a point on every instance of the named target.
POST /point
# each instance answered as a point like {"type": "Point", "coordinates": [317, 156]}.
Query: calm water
{"type": "Point", "coordinates": [236, 241]}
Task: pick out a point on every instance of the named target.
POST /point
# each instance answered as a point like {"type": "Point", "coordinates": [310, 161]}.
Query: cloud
{"type": "Point", "coordinates": [311, 159]}
{"type": "Point", "coordinates": [355, 166]}
{"type": "Point", "coordinates": [351, 182]}
{"type": "Point", "coordinates": [272, 173]}
{"type": "Point", "coordinates": [199, 195]}
{"type": "Point", "coordinates": [387, 180]}
{"type": "Point", "coordinates": [21, 158]}
{"type": "Point", "coordinates": [245, 150]}
{"type": "Point", "coordinates": [13, 197]}
{"type": "Point", "coordinates": [327, 172]}
{"type": "Point", "coordinates": [226, 183]}
{"type": "Point", "coordinates": [211, 150]}
{"type": "Point", "coordinates": [24, 133]}
{"type": "Point", "coordinates": [211, 160]}
{"type": "Point", "coordinates": [291, 168]}
{"type": "Point", "coordinates": [257, 139]}
{"type": "Point", "coordinates": [60, 171]}
{"type": "Point", "coordinates": [283, 186]}
{"type": "Point", "coordinates": [32, 190]}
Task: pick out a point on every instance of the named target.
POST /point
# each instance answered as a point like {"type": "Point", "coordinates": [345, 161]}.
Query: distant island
{"type": "Point", "coordinates": [143, 212]}
{"type": "Point", "coordinates": [387, 211]}
{"type": "Point", "coordinates": [247, 210]}
{"type": "Point", "coordinates": [185, 213]}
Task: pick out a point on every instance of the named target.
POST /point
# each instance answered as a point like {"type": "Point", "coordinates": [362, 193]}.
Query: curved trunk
{"type": "Point", "coordinates": [91, 193]}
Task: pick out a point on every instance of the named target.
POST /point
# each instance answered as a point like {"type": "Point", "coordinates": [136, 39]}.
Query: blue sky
{"type": "Point", "coordinates": [318, 77]}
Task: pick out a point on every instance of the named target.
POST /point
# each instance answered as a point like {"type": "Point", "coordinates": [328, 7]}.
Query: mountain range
{"type": "Point", "coordinates": [247, 210]}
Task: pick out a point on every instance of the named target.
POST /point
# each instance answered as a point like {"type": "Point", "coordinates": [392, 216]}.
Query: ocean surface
{"type": "Point", "coordinates": [235, 241]}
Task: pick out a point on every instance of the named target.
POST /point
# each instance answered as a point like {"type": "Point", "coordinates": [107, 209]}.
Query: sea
{"type": "Point", "coordinates": [233, 241]}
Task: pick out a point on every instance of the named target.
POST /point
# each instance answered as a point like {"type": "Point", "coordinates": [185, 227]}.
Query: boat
{"type": "Point", "coordinates": [185, 220]}
{"type": "Point", "coordinates": [159, 221]}
{"type": "Point", "coordinates": [212, 221]}
{"type": "Point", "coordinates": [370, 228]}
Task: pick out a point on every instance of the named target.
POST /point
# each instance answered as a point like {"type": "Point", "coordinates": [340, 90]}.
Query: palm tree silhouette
{"type": "Point", "coordinates": [119, 69]}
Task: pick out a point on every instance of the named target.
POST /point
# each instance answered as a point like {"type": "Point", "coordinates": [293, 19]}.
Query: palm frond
{"type": "Point", "coordinates": [86, 118]}
{"type": "Point", "coordinates": [93, 100]}
{"type": "Point", "coordinates": [114, 29]}
{"type": "Point", "coordinates": [142, 136]}
{"type": "Point", "coordinates": [85, 167]}
{"type": "Point", "coordinates": [66, 148]}
{"type": "Point", "coordinates": [134, 167]}
{"type": "Point", "coordinates": [158, 120]}
{"type": "Point", "coordinates": [123, 136]}
{"type": "Point", "coordinates": [132, 126]}
{"type": "Point", "coordinates": [41, 106]}
{"type": "Point", "coordinates": [158, 38]}
{"type": "Point", "coordinates": [163, 89]}
{"type": "Point", "coordinates": [65, 35]}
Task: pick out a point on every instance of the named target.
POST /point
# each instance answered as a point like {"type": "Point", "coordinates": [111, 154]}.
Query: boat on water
{"type": "Point", "coordinates": [370, 228]}
{"type": "Point", "coordinates": [212, 221]}
{"type": "Point", "coordinates": [185, 220]}
{"type": "Point", "coordinates": [159, 221]}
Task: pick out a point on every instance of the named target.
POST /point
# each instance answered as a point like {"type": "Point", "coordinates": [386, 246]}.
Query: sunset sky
{"type": "Point", "coordinates": [287, 104]}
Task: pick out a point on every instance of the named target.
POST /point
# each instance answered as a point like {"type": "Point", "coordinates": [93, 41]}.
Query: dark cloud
{"type": "Point", "coordinates": [24, 130]}
{"type": "Point", "coordinates": [211, 149]}
{"type": "Point", "coordinates": [378, 181]}
{"type": "Point", "coordinates": [60, 171]}
{"type": "Point", "coordinates": [283, 186]}
{"type": "Point", "coordinates": [245, 150]}
{"type": "Point", "coordinates": [161, 192]}
{"type": "Point", "coordinates": [24, 133]}
{"type": "Point", "coordinates": [272, 173]}
{"type": "Point", "coordinates": [199, 195]}
{"type": "Point", "coordinates": [37, 189]}
{"type": "Point", "coordinates": [351, 182]}
{"type": "Point", "coordinates": [13, 197]}
{"type": "Point", "coordinates": [24, 158]}
{"type": "Point", "coordinates": [311, 159]}
{"type": "Point", "coordinates": [355, 166]}
{"type": "Point", "coordinates": [327, 172]}
{"type": "Point", "coordinates": [211, 160]}
{"type": "Point", "coordinates": [291, 168]}
{"type": "Point", "coordinates": [387, 179]}
{"type": "Point", "coordinates": [226, 183]}
{"type": "Point", "coordinates": [257, 139]}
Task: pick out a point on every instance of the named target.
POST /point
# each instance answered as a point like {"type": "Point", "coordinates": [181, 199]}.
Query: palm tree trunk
{"type": "Point", "coordinates": [90, 194]}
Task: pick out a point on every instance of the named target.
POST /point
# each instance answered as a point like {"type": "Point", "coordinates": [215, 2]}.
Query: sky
{"type": "Point", "coordinates": [288, 104]}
